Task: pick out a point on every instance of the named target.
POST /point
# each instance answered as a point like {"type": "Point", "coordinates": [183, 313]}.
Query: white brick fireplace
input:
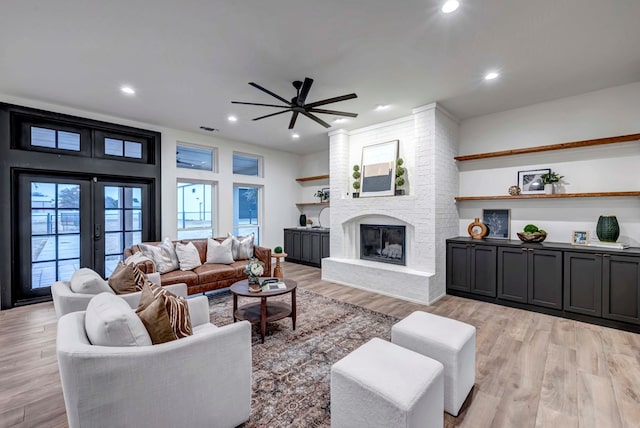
{"type": "Point", "coordinates": [428, 142]}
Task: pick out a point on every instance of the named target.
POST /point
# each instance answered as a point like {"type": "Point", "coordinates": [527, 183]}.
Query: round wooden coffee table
{"type": "Point", "coordinates": [263, 312]}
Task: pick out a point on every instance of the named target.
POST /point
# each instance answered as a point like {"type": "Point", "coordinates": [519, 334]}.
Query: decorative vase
{"type": "Point", "coordinates": [514, 190]}
{"type": "Point", "coordinates": [607, 228]}
{"type": "Point", "coordinates": [303, 220]}
{"type": "Point", "coordinates": [548, 189]}
{"type": "Point", "coordinates": [254, 284]}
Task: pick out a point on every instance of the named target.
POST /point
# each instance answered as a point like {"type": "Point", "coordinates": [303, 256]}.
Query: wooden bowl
{"type": "Point", "coordinates": [531, 237]}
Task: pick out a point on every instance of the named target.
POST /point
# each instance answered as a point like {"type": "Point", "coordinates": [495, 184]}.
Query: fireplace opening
{"type": "Point", "coordinates": [382, 243]}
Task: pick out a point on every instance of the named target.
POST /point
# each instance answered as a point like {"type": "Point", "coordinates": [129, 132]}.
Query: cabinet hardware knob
{"type": "Point", "coordinates": [531, 249]}
{"type": "Point", "coordinates": [606, 255]}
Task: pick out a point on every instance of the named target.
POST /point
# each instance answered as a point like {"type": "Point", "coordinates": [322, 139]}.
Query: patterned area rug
{"type": "Point", "coordinates": [291, 370]}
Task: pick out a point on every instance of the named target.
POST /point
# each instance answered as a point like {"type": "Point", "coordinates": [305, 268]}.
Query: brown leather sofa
{"type": "Point", "coordinates": [208, 276]}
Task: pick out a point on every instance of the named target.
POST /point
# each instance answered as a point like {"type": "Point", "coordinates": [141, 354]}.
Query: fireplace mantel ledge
{"type": "Point", "coordinates": [381, 266]}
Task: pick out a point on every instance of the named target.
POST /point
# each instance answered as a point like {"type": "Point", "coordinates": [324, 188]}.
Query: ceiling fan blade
{"type": "Point", "coordinates": [272, 114]}
{"type": "Point", "coordinates": [304, 91]}
{"type": "Point", "coordinates": [294, 116]}
{"type": "Point", "coordinates": [255, 85]}
{"type": "Point", "coordinates": [337, 113]}
{"type": "Point", "coordinates": [331, 100]}
{"type": "Point", "coordinates": [317, 119]}
{"type": "Point", "coordinates": [258, 104]}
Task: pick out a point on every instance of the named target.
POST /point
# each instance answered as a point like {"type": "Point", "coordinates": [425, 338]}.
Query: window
{"type": "Point", "coordinates": [247, 164]}
{"type": "Point", "coordinates": [194, 203]}
{"type": "Point", "coordinates": [55, 139]}
{"type": "Point", "coordinates": [246, 211]}
{"type": "Point", "coordinates": [194, 158]}
{"type": "Point", "coordinates": [122, 148]}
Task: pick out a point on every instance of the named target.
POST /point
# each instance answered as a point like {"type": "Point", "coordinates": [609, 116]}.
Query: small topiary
{"type": "Point", "coordinates": [277, 250]}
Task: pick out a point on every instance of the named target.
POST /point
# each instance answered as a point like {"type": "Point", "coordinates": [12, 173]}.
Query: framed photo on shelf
{"type": "Point", "coordinates": [579, 237]}
{"type": "Point", "coordinates": [325, 191]}
{"type": "Point", "coordinates": [498, 221]}
{"type": "Point", "coordinates": [531, 181]}
{"type": "Point", "coordinates": [378, 169]}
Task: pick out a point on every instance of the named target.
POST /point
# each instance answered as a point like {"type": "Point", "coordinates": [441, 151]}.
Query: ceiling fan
{"type": "Point", "coordinates": [297, 104]}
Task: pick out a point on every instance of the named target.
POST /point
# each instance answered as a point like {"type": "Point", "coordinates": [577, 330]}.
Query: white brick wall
{"type": "Point", "coordinates": [428, 142]}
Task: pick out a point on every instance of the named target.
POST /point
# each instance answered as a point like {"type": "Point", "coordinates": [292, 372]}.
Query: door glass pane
{"type": "Point", "coordinates": [112, 147]}
{"type": "Point", "coordinates": [69, 140]}
{"type": "Point", "coordinates": [245, 211]}
{"type": "Point", "coordinates": [43, 137]}
{"type": "Point", "coordinates": [55, 232]}
{"type": "Point", "coordinates": [132, 149]}
{"type": "Point", "coordinates": [122, 223]}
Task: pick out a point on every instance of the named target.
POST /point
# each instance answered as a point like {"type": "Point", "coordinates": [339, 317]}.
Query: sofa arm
{"type": "Point", "coordinates": [264, 255]}
{"type": "Point", "coordinates": [171, 381]}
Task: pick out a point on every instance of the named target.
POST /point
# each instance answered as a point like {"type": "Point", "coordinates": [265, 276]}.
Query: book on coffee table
{"type": "Point", "coordinates": [273, 285]}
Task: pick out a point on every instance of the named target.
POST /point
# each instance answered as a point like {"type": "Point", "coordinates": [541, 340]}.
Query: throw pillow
{"type": "Point", "coordinates": [87, 281]}
{"type": "Point", "coordinates": [110, 321]}
{"type": "Point", "coordinates": [242, 248]}
{"type": "Point", "coordinates": [153, 313]}
{"type": "Point", "coordinates": [219, 252]}
{"type": "Point", "coordinates": [123, 279]}
{"type": "Point", "coordinates": [163, 255]}
{"type": "Point", "coordinates": [176, 307]}
{"type": "Point", "coordinates": [188, 256]}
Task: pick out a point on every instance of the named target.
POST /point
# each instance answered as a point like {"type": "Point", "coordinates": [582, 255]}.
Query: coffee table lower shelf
{"type": "Point", "coordinates": [275, 311]}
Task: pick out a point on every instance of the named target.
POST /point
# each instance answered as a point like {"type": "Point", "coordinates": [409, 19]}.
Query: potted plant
{"type": "Point", "coordinates": [356, 184]}
{"type": "Point", "coordinates": [321, 194]}
{"type": "Point", "coordinates": [549, 180]}
{"type": "Point", "coordinates": [400, 170]}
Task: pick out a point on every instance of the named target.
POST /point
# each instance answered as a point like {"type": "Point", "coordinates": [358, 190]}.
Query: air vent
{"type": "Point", "coordinates": [210, 129]}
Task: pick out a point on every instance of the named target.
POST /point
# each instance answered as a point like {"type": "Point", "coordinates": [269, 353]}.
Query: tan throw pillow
{"type": "Point", "coordinates": [124, 275]}
{"type": "Point", "coordinates": [176, 307]}
{"type": "Point", "coordinates": [219, 252]}
{"type": "Point", "coordinates": [123, 279]}
{"type": "Point", "coordinates": [152, 311]}
{"type": "Point", "coordinates": [188, 256]}
{"type": "Point", "coordinates": [242, 247]}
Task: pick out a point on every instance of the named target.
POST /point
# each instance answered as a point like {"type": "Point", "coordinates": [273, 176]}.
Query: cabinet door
{"type": "Point", "coordinates": [545, 278]}
{"type": "Point", "coordinates": [292, 245]}
{"type": "Point", "coordinates": [316, 253]}
{"type": "Point", "coordinates": [458, 267]}
{"type": "Point", "coordinates": [326, 245]}
{"type": "Point", "coordinates": [483, 270]}
{"type": "Point", "coordinates": [583, 283]}
{"type": "Point", "coordinates": [512, 274]}
{"type": "Point", "coordinates": [620, 288]}
{"type": "Point", "coordinates": [305, 247]}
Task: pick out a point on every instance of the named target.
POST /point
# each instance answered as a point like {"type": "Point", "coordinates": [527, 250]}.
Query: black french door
{"type": "Point", "coordinates": [67, 222]}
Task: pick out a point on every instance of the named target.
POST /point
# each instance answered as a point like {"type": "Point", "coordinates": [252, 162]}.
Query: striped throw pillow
{"type": "Point", "coordinates": [176, 307]}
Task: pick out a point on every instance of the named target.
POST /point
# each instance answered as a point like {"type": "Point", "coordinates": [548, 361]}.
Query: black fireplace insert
{"type": "Point", "coordinates": [382, 243]}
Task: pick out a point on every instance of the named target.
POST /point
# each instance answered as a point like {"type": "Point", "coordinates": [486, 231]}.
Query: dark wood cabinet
{"type": "Point", "coordinates": [584, 283]}
{"type": "Point", "coordinates": [472, 267]}
{"type": "Point", "coordinates": [306, 246]}
{"type": "Point", "coordinates": [530, 275]}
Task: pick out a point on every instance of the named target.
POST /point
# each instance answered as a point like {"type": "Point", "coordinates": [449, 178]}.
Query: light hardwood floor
{"type": "Point", "coordinates": [532, 370]}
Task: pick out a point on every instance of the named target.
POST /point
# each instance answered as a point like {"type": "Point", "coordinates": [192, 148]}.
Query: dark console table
{"type": "Point", "coordinates": [596, 285]}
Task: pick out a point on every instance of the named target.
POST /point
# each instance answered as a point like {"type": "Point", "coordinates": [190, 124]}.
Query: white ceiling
{"type": "Point", "coordinates": [188, 59]}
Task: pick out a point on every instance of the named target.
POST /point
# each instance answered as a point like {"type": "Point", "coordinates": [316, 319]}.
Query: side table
{"type": "Point", "coordinates": [277, 270]}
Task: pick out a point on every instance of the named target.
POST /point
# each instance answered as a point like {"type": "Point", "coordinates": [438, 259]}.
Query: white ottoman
{"type": "Point", "coordinates": [451, 342]}
{"type": "Point", "coordinates": [383, 385]}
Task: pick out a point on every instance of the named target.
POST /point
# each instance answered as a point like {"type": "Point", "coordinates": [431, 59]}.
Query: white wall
{"type": "Point", "coordinates": [312, 165]}
{"type": "Point", "coordinates": [280, 190]}
{"type": "Point", "coordinates": [605, 113]}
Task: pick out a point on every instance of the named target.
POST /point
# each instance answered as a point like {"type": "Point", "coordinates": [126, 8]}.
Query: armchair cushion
{"type": "Point", "coordinates": [110, 321]}
{"type": "Point", "coordinates": [87, 281]}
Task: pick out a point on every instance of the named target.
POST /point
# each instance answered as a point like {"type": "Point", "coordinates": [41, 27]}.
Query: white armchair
{"type": "Point", "coordinates": [202, 380]}
{"type": "Point", "coordinates": [65, 300]}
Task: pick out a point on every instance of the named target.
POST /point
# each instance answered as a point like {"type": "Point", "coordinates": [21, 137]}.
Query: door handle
{"type": "Point", "coordinates": [97, 231]}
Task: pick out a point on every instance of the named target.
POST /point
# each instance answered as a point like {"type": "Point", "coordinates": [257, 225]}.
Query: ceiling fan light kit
{"type": "Point", "coordinates": [297, 104]}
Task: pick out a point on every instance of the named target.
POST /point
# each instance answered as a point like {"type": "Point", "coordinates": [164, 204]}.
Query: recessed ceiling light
{"type": "Point", "coordinates": [450, 6]}
{"type": "Point", "coordinates": [232, 119]}
{"type": "Point", "coordinates": [295, 136]}
{"type": "Point", "coordinates": [127, 90]}
{"type": "Point", "coordinates": [382, 107]}
{"type": "Point", "coordinates": [492, 75]}
{"type": "Point", "coordinates": [339, 120]}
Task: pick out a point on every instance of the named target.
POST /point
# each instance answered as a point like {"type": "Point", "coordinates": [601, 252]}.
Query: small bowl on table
{"type": "Point", "coordinates": [531, 237]}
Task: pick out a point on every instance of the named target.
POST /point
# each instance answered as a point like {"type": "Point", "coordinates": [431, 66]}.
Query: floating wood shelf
{"type": "Point", "coordinates": [561, 146]}
{"type": "Point", "coordinates": [545, 196]}
{"type": "Point", "coordinates": [306, 204]}
{"type": "Point", "coordinates": [315, 177]}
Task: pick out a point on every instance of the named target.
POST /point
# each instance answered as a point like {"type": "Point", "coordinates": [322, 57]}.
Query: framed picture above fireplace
{"type": "Point", "coordinates": [378, 169]}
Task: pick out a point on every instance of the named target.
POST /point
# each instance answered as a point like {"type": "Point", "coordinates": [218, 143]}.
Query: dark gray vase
{"type": "Point", "coordinates": [607, 228]}
{"type": "Point", "coordinates": [303, 220]}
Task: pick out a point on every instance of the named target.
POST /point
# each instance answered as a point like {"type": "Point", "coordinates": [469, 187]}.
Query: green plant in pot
{"type": "Point", "coordinates": [531, 233]}
{"type": "Point", "coordinates": [549, 181]}
{"type": "Point", "coordinates": [400, 171]}
{"type": "Point", "coordinates": [356, 183]}
{"type": "Point", "coordinates": [277, 250]}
